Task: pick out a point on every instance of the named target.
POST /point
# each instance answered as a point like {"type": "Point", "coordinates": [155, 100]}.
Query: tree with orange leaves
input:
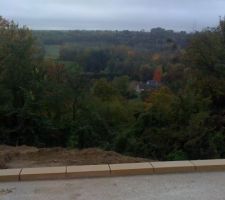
{"type": "Point", "coordinates": [157, 74]}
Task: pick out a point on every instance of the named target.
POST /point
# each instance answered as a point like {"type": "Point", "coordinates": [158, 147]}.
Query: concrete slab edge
{"type": "Point", "coordinates": [125, 169]}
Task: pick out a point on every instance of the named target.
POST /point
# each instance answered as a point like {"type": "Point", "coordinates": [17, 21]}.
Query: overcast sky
{"type": "Point", "coordinates": [178, 15]}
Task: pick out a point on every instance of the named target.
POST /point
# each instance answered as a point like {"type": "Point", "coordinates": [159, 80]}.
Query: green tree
{"type": "Point", "coordinates": [19, 58]}
{"type": "Point", "coordinates": [20, 73]}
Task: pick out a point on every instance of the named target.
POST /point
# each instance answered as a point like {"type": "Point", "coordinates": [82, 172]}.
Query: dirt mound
{"type": "Point", "coordinates": [24, 156]}
{"type": "Point", "coordinates": [99, 156]}
{"type": "Point", "coordinates": [3, 164]}
{"type": "Point", "coordinates": [8, 153]}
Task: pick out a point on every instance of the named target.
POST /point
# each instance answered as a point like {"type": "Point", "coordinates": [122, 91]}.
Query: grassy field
{"type": "Point", "coordinates": [52, 51]}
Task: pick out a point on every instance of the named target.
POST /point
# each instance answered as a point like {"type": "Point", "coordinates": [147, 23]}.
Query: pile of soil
{"type": "Point", "coordinates": [24, 156]}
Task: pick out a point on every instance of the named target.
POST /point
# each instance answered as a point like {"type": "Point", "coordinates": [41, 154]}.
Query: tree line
{"type": "Point", "coordinates": [154, 40]}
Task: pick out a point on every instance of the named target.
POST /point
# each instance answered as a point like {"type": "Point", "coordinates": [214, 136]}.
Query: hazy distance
{"type": "Point", "coordinates": [188, 15]}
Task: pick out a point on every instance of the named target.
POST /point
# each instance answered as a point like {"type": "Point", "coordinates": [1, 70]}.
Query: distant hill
{"type": "Point", "coordinates": [156, 40]}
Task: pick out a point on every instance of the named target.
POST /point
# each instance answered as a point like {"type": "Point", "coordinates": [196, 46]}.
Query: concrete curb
{"type": "Point", "coordinates": [131, 169]}
{"type": "Point", "coordinates": [87, 171]}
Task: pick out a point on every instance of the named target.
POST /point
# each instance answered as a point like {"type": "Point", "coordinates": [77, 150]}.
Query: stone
{"type": "Point", "coordinates": [87, 171]}
{"type": "Point", "coordinates": [131, 169]}
{"type": "Point", "coordinates": [44, 173]}
{"type": "Point", "coordinates": [9, 174]}
{"type": "Point", "coordinates": [209, 165]}
{"type": "Point", "coordinates": [173, 167]}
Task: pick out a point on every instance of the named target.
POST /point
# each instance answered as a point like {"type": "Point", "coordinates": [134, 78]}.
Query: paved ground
{"type": "Point", "coordinates": [199, 186]}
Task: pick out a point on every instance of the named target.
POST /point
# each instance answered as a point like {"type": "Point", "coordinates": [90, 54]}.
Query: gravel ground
{"type": "Point", "coordinates": [196, 186]}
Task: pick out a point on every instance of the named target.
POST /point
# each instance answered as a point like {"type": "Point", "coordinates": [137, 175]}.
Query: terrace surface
{"type": "Point", "coordinates": [187, 186]}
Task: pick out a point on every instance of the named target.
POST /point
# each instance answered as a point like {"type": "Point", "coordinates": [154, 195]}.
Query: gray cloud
{"type": "Point", "coordinates": [114, 14]}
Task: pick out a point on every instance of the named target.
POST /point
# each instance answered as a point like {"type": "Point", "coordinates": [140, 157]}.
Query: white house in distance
{"type": "Point", "coordinates": [147, 86]}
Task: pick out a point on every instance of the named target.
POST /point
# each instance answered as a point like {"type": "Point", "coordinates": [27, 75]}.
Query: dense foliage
{"type": "Point", "coordinates": [88, 97]}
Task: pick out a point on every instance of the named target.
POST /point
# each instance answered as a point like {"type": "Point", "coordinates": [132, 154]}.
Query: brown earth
{"type": "Point", "coordinates": [24, 156]}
